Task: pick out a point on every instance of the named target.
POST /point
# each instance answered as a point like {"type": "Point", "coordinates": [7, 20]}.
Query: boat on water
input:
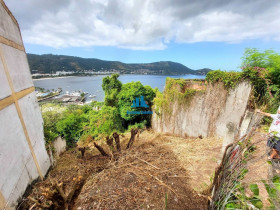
{"type": "Point", "coordinates": [92, 96]}
{"type": "Point", "coordinates": [74, 93]}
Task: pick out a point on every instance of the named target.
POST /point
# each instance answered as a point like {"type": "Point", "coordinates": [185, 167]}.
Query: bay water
{"type": "Point", "coordinates": [93, 84]}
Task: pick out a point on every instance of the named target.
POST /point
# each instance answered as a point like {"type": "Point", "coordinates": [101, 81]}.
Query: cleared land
{"type": "Point", "coordinates": [158, 172]}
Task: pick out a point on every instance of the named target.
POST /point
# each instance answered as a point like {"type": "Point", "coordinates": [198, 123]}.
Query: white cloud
{"type": "Point", "coordinates": [145, 24]}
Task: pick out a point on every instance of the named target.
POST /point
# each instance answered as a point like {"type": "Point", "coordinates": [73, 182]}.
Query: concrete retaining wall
{"type": "Point", "coordinates": [215, 112]}
{"type": "Point", "coordinates": [59, 145]}
{"type": "Point", "coordinates": [23, 157]}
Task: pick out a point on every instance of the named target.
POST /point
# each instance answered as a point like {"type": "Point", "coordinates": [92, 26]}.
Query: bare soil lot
{"type": "Point", "coordinates": [158, 172]}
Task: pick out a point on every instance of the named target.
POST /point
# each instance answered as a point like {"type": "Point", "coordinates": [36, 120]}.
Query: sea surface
{"type": "Point", "coordinates": [93, 84]}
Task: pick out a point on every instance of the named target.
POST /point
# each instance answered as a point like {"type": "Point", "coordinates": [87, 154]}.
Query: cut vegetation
{"type": "Point", "coordinates": [158, 172]}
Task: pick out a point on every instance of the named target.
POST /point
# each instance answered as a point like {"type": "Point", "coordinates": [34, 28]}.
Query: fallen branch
{"type": "Point", "coordinates": [147, 163]}
{"type": "Point", "coordinates": [41, 205]}
{"type": "Point", "coordinates": [67, 199]}
{"type": "Point", "coordinates": [72, 192]}
{"type": "Point", "coordinates": [32, 206]}
{"type": "Point", "coordinates": [162, 183]}
{"type": "Point", "coordinates": [60, 191]}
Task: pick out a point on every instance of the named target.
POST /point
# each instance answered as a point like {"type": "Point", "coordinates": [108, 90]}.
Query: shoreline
{"type": "Point", "coordinates": [45, 78]}
{"type": "Point", "coordinates": [53, 78]}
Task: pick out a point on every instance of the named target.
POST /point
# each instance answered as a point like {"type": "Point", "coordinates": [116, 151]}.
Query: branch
{"type": "Point", "coordinates": [44, 206]}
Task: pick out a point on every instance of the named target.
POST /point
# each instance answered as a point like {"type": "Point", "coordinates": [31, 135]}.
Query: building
{"type": "Point", "coordinates": [23, 156]}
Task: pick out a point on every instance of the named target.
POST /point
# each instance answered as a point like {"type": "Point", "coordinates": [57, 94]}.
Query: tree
{"type": "Point", "coordinates": [105, 121]}
{"type": "Point", "coordinates": [263, 70]}
{"type": "Point", "coordinates": [130, 92]}
{"type": "Point", "coordinates": [111, 86]}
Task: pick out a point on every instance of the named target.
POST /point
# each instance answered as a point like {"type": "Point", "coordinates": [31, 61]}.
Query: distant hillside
{"type": "Point", "coordinates": [51, 63]}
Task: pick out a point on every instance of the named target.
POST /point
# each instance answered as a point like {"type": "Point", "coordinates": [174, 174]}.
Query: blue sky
{"type": "Point", "coordinates": [199, 34]}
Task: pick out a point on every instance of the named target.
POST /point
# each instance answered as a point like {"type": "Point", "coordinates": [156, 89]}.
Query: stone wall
{"type": "Point", "coordinates": [23, 157]}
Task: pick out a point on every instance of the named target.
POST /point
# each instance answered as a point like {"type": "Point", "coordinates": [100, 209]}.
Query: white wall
{"type": "Point", "coordinates": [212, 113]}
{"type": "Point", "coordinates": [23, 157]}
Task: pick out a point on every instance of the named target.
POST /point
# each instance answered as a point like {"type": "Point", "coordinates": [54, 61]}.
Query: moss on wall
{"type": "Point", "coordinates": [182, 91]}
{"type": "Point", "coordinates": [178, 90]}
{"type": "Point", "coordinates": [229, 79]}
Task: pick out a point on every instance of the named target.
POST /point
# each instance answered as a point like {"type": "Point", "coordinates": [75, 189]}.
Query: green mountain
{"type": "Point", "coordinates": [51, 63]}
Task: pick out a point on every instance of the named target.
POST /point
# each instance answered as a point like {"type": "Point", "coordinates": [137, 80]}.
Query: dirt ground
{"type": "Point", "coordinates": [158, 172]}
{"type": "Point", "coordinates": [70, 166]}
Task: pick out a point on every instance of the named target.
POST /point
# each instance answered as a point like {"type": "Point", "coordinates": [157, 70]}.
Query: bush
{"type": "Point", "coordinates": [111, 86]}
{"type": "Point", "coordinates": [130, 92]}
{"type": "Point", "coordinates": [50, 119]}
{"type": "Point", "coordinates": [262, 69]}
{"type": "Point", "coordinates": [100, 118]}
{"type": "Point", "coordinates": [229, 79]}
{"type": "Point", "coordinates": [71, 126]}
{"type": "Point", "coordinates": [175, 89]}
{"type": "Point", "coordinates": [105, 121]}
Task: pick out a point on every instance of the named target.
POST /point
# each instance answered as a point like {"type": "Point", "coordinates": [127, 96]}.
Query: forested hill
{"type": "Point", "coordinates": [51, 63]}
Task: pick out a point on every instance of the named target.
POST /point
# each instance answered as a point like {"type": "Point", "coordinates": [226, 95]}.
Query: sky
{"type": "Point", "coordinates": [197, 33]}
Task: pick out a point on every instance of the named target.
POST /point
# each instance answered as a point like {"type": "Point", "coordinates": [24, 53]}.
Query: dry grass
{"type": "Point", "coordinates": [198, 156]}
{"type": "Point", "coordinates": [148, 176]}
{"type": "Point", "coordinates": [159, 172]}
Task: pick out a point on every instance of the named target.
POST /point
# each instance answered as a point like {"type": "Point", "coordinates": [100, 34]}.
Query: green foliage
{"type": "Point", "coordinates": [276, 182]}
{"type": "Point", "coordinates": [255, 189]}
{"type": "Point", "coordinates": [242, 201]}
{"type": "Point", "coordinates": [86, 108]}
{"type": "Point", "coordinates": [105, 121]}
{"type": "Point", "coordinates": [175, 90]}
{"type": "Point", "coordinates": [99, 118]}
{"type": "Point", "coordinates": [140, 125]}
{"type": "Point", "coordinates": [125, 98]}
{"type": "Point", "coordinates": [229, 79]}
{"type": "Point", "coordinates": [166, 201]}
{"type": "Point", "coordinates": [111, 86]}
{"type": "Point", "coordinates": [71, 126]}
{"type": "Point", "coordinates": [50, 119]}
{"type": "Point", "coordinates": [262, 69]}
{"type": "Point", "coordinates": [253, 57]}
{"type": "Point", "coordinates": [159, 102]}
{"type": "Point", "coordinates": [97, 104]}
{"type": "Point", "coordinates": [72, 108]}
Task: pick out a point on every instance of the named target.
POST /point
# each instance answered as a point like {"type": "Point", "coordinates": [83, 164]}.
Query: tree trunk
{"type": "Point", "coordinates": [132, 138]}
{"type": "Point", "coordinates": [109, 142]}
{"type": "Point", "coordinates": [100, 149]}
{"type": "Point", "coordinates": [82, 150]}
{"type": "Point", "coordinates": [117, 141]}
